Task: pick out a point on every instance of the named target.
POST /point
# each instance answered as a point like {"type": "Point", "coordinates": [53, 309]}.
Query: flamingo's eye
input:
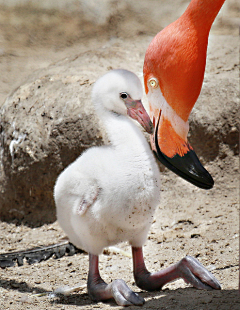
{"type": "Point", "coordinates": [153, 82]}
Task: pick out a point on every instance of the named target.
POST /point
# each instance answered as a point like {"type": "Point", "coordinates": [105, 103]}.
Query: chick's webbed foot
{"type": "Point", "coordinates": [188, 268]}
{"type": "Point", "coordinates": [98, 290]}
{"type": "Point", "coordinates": [194, 273]}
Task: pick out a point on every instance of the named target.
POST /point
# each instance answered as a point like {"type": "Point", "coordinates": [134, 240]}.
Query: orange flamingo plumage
{"type": "Point", "coordinates": [174, 69]}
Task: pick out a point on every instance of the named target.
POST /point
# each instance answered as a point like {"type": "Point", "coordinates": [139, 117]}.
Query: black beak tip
{"type": "Point", "coordinates": [189, 168]}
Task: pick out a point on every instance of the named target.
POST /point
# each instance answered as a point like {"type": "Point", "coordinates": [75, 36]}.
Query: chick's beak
{"type": "Point", "coordinates": [136, 110]}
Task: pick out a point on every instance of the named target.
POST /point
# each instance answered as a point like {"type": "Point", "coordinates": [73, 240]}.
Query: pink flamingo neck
{"type": "Point", "coordinates": [202, 13]}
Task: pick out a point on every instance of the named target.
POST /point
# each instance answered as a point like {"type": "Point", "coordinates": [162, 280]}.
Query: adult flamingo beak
{"type": "Point", "coordinates": [169, 140]}
{"type": "Point", "coordinates": [184, 161]}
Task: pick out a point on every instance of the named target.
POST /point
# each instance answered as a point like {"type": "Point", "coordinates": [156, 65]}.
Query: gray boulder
{"type": "Point", "coordinates": [45, 125]}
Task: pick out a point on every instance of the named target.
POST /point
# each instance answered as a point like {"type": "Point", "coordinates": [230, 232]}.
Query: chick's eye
{"type": "Point", "coordinates": [123, 95]}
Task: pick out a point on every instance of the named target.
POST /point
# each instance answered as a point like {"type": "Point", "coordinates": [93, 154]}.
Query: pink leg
{"type": "Point", "coordinates": [188, 268]}
{"type": "Point", "coordinates": [98, 290]}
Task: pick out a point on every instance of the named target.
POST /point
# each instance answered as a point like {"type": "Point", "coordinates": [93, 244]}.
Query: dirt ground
{"type": "Point", "coordinates": [189, 221]}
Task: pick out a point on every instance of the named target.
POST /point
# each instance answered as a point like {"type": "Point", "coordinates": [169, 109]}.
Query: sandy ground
{"type": "Point", "coordinates": [189, 221]}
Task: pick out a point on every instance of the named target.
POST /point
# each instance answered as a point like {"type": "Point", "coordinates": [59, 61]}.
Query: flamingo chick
{"type": "Point", "coordinates": [109, 194]}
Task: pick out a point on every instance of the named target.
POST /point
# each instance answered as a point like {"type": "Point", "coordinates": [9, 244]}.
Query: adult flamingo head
{"type": "Point", "coordinates": [174, 68]}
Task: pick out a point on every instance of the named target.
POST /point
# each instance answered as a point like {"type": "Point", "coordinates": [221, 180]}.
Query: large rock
{"type": "Point", "coordinates": [48, 121]}
{"type": "Point", "coordinates": [45, 124]}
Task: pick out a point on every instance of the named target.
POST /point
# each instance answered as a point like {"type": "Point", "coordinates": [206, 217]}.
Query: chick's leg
{"type": "Point", "coordinates": [188, 268]}
{"type": "Point", "coordinates": [98, 290]}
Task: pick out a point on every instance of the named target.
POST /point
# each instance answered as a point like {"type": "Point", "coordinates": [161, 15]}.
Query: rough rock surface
{"type": "Point", "coordinates": [46, 123]}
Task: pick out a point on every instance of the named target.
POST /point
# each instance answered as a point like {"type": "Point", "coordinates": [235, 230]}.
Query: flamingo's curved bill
{"type": "Point", "coordinates": [187, 165]}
